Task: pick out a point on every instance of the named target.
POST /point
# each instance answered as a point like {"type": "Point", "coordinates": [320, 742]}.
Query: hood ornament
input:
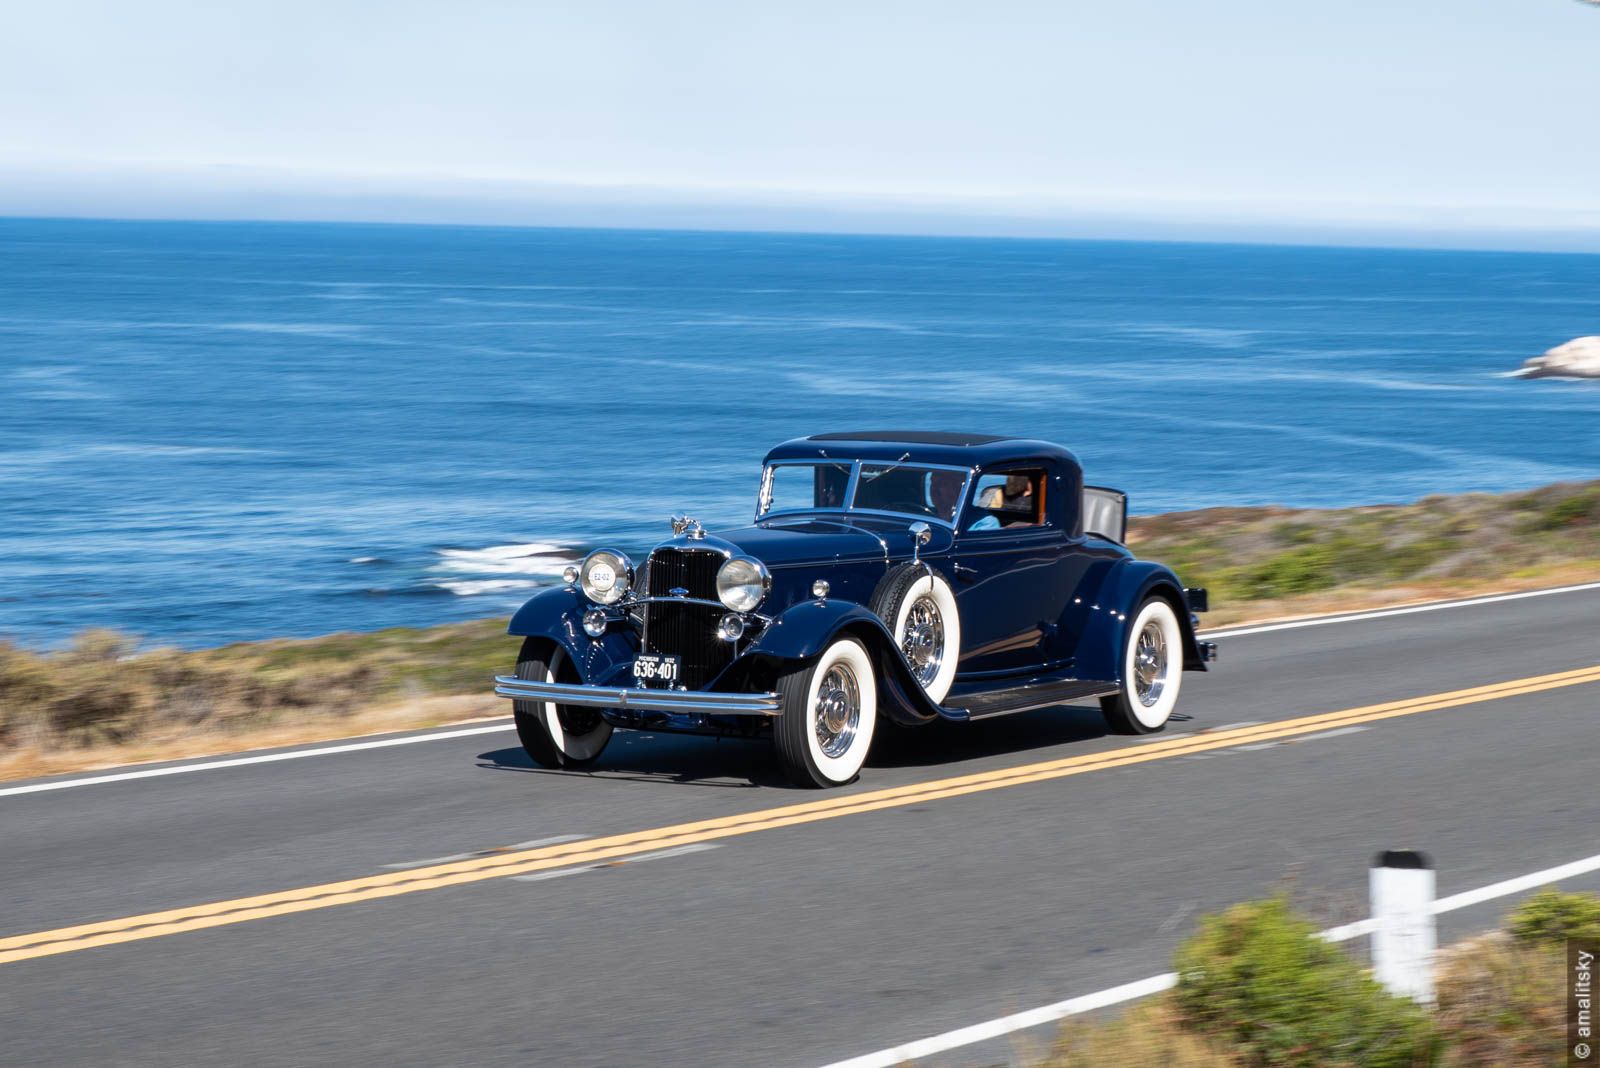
{"type": "Point", "coordinates": [683, 526]}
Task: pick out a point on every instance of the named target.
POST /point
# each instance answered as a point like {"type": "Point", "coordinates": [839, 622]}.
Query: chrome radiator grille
{"type": "Point", "coordinates": [694, 571]}
{"type": "Point", "coordinates": [688, 631]}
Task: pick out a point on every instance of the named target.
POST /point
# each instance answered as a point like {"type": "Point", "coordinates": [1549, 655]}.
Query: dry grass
{"type": "Point", "coordinates": [104, 701]}
{"type": "Point", "coordinates": [1502, 1003]}
{"type": "Point", "coordinates": [108, 700]}
{"type": "Point", "coordinates": [23, 762]}
{"type": "Point", "coordinates": [1146, 1035]}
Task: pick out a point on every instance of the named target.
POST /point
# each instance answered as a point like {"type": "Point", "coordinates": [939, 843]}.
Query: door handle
{"type": "Point", "coordinates": [964, 573]}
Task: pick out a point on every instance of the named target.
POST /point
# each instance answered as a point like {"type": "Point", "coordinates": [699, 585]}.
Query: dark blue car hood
{"type": "Point", "coordinates": [786, 540]}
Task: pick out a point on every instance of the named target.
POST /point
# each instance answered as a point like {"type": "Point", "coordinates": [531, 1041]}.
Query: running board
{"type": "Point", "coordinates": [1026, 698]}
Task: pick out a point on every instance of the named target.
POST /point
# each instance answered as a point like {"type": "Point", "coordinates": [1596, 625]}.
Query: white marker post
{"type": "Point", "coordinates": [1402, 906]}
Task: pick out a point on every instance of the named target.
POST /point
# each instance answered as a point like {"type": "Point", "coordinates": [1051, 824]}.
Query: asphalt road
{"type": "Point", "coordinates": [787, 945]}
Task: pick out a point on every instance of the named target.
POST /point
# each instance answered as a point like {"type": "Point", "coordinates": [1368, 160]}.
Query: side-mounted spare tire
{"type": "Point", "coordinates": [556, 736]}
{"type": "Point", "coordinates": [918, 606]}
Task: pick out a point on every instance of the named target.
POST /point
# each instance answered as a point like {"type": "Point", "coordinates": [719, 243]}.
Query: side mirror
{"type": "Point", "coordinates": [921, 534]}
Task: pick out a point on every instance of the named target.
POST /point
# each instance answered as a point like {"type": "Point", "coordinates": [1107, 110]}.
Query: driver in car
{"type": "Point", "coordinates": [944, 492]}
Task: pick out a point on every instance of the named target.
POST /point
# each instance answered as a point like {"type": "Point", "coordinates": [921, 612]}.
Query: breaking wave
{"type": "Point", "coordinates": [470, 572]}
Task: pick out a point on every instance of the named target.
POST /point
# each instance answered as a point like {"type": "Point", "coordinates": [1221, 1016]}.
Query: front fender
{"type": "Point", "coordinates": [557, 614]}
{"type": "Point", "coordinates": [806, 629]}
{"type": "Point", "coordinates": [1122, 588]}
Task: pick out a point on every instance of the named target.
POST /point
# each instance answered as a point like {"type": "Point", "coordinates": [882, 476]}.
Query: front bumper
{"type": "Point", "coordinates": [633, 698]}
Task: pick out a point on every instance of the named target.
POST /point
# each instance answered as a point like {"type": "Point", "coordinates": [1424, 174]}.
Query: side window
{"type": "Point", "coordinates": [1005, 500]}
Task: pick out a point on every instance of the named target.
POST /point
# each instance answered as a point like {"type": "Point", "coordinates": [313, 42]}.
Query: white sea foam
{"type": "Point", "coordinates": [138, 449]}
{"type": "Point", "coordinates": [473, 587]}
{"type": "Point", "coordinates": [496, 553]}
{"type": "Point", "coordinates": [536, 559]}
{"type": "Point", "coordinates": [339, 330]}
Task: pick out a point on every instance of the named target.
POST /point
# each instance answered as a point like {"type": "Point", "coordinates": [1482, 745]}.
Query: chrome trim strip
{"type": "Point", "coordinates": [1110, 689]}
{"type": "Point", "coordinates": [652, 599]}
{"type": "Point", "coordinates": [629, 697]}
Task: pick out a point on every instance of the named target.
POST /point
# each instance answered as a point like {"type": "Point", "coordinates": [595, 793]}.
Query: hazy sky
{"type": "Point", "coordinates": [1452, 115]}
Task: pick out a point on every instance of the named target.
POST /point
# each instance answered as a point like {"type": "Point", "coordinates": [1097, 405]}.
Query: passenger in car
{"type": "Point", "coordinates": [1015, 496]}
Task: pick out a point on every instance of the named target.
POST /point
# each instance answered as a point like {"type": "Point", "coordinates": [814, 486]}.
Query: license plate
{"type": "Point", "coordinates": [649, 667]}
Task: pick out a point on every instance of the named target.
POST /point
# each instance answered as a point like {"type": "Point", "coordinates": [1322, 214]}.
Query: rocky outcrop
{"type": "Point", "coordinates": [1578, 358]}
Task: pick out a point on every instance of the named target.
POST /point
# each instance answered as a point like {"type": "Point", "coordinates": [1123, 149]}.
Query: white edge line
{"type": "Point", "coordinates": [966, 1036]}
{"type": "Point", "coordinates": [1432, 606]}
{"type": "Point", "coordinates": [1155, 984]}
{"type": "Point", "coordinates": [263, 758]}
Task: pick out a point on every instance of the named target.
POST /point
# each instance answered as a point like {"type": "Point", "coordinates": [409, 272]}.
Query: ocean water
{"type": "Point", "coordinates": [221, 431]}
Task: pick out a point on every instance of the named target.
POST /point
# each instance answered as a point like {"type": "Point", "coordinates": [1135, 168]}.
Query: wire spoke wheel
{"type": "Point", "coordinates": [918, 609]}
{"type": "Point", "coordinates": [922, 639]}
{"type": "Point", "coordinates": [838, 710]}
{"type": "Point", "coordinates": [829, 715]}
{"type": "Point", "coordinates": [1150, 664]}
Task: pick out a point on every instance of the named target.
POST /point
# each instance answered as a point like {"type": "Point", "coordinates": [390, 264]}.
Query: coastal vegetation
{"type": "Point", "coordinates": [1270, 561]}
{"type": "Point", "coordinates": [1257, 988]}
{"type": "Point", "coordinates": [108, 698]}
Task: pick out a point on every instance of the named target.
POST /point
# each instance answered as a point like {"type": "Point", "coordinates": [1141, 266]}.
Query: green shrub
{"type": "Point", "coordinates": [1258, 977]}
{"type": "Point", "coordinates": [1555, 916]}
{"type": "Point", "coordinates": [1580, 509]}
{"type": "Point", "coordinates": [1306, 569]}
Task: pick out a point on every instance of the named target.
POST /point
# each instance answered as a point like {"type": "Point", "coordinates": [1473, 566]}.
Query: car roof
{"type": "Point", "coordinates": [912, 437]}
{"type": "Point", "coordinates": [921, 446]}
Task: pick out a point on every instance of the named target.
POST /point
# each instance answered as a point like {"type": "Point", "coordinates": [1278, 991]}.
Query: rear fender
{"type": "Point", "coordinates": [806, 629]}
{"type": "Point", "coordinates": [1122, 590]}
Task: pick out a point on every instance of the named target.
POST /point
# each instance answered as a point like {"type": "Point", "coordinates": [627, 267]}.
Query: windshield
{"type": "Point", "coordinates": [804, 487]}
{"type": "Point", "coordinates": [905, 489]}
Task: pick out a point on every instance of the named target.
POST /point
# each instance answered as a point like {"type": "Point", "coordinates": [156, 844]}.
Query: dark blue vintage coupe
{"type": "Point", "coordinates": [891, 575]}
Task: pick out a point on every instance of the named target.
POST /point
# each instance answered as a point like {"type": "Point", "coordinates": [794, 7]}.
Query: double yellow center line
{"type": "Point", "coordinates": [281, 903]}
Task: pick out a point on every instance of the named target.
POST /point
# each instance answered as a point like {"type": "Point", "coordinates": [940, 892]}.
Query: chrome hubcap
{"type": "Point", "coordinates": [838, 710]}
{"type": "Point", "coordinates": [1150, 664]}
{"type": "Point", "coordinates": [923, 639]}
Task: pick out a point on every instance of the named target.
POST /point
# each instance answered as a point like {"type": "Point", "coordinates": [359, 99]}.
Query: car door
{"type": "Point", "coordinates": [1011, 564]}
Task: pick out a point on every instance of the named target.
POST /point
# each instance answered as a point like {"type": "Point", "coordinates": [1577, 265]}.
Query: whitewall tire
{"type": "Point", "coordinates": [1152, 671]}
{"type": "Point", "coordinates": [556, 736]}
{"type": "Point", "coordinates": [830, 713]}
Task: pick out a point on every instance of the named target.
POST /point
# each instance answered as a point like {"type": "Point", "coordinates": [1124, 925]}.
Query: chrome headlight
{"type": "Point", "coordinates": [742, 582]}
{"type": "Point", "coordinates": [605, 576]}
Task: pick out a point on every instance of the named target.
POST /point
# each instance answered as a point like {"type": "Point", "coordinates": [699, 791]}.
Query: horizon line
{"type": "Point", "coordinates": [235, 192]}
{"type": "Point", "coordinates": [1262, 237]}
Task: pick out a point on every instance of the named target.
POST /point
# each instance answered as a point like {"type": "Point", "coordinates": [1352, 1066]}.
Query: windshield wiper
{"type": "Point", "coordinates": [892, 467]}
